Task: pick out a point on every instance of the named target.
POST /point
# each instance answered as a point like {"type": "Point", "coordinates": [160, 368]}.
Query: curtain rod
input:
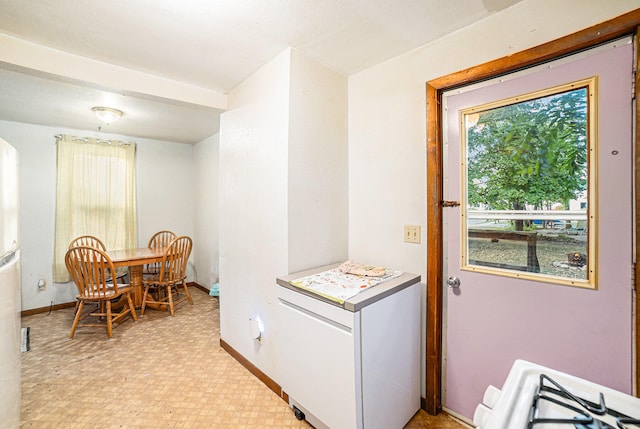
{"type": "Point", "coordinates": [100, 141]}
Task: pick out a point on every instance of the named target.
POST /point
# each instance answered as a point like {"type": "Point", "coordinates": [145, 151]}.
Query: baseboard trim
{"type": "Point", "coordinates": [197, 286]}
{"type": "Point", "coordinates": [47, 309]}
{"type": "Point", "coordinates": [53, 307]}
{"type": "Point", "coordinates": [268, 381]}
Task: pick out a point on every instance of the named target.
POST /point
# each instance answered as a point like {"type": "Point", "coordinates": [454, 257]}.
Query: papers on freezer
{"type": "Point", "coordinates": [339, 286]}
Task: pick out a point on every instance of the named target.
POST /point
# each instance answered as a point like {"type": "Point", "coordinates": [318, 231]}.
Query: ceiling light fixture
{"type": "Point", "coordinates": [107, 114]}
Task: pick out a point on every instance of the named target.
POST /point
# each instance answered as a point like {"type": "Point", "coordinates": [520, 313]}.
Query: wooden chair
{"type": "Point", "coordinates": [159, 240]}
{"type": "Point", "coordinates": [91, 241]}
{"type": "Point", "coordinates": [171, 278]}
{"type": "Point", "coordinates": [91, 269]}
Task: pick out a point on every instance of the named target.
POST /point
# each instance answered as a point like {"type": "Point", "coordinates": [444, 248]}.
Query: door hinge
{"type": "Point", "coordinates": [445, 203]}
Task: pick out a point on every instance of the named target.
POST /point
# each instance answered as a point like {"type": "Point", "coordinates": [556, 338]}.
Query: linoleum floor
{"type": "Point", "coordinates": [158, 372]}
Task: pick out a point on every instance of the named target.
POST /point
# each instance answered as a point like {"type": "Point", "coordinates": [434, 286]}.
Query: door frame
{"type": "Point", "coordinates": [627, 24]}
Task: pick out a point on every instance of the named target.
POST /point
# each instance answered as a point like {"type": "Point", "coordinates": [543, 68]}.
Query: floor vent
{"type": "Point", "coordinates": [25, 346]}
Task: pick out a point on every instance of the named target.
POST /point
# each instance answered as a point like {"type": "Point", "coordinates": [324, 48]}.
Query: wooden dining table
{"type": "Point", "coordinates": [135, 259]}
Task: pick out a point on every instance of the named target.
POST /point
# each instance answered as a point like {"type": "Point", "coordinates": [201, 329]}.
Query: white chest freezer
{"type": "Point", "coordinates": [354, 364]}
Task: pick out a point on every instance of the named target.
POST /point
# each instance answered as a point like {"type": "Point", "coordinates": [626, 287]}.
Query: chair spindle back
{"type": "Point", "coordinates": [174, 261]}
{"type": "Point", "coordinates": [88, 241]}
{"type": "Point", "coordinates": [91, 270]}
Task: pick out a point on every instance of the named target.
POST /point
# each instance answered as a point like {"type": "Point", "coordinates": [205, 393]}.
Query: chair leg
{"type": "Point", "coordinates": [109, 320]}
{"type": "Point", "coordinates": [101, 309]}
{"type": "Point", "coordinates": [132, 307]}
{"type": "Point", "coordinates": [144, 299]}
{"type": "Point", "coordinates": [159, 294]}
{"type": "Point", "coordinates": [76, 319]}
{"type": "Point", "coordinates": [170, 296]}
{"type": "Point", "coordinates": [186, 290]}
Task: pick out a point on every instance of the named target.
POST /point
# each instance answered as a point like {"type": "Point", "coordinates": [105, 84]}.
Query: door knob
{"type": "Point", "coordinates": [453, 282]}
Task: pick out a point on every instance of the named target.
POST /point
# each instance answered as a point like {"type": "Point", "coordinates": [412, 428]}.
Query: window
{"type": "Point", "coordinates": [530, 164]}
{"type": "Point", "coordinates": [95, 195]}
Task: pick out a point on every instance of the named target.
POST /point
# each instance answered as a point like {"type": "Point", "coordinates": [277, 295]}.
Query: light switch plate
{"type": "Point", "coordinates": [412, 233]}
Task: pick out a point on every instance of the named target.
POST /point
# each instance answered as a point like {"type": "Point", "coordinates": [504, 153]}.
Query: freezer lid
{"type": "Point", "coordinates": [357, 302]}
{"type": "Point", "coordinates": [8, 199]}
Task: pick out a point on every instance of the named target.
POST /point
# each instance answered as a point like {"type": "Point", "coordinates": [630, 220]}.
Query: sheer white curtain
{"type": "Point", "coordinates": [95, 195]}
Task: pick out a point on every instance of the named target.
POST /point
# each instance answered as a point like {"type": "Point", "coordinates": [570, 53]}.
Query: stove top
{"type": "Point", "coordinates": [536, 397]}
{"type": "Point", "coordinates": [555, 404]}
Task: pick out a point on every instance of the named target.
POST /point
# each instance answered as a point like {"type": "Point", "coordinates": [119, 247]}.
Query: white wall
{"type": "Point", "coordinates": [282, 182]}
{"type": "Point", "coordinates": [165, 194]}
{"type": "Point", "coordinates": [162, 168]}
{"type": "Point", "coordinates": [205, 158]}
{"type": "Point", "coordinates": [387, 125]}
{"type": "Point", "coordinates": [253, 208]}
{"type": "Point", "coordinates": [318, 170]}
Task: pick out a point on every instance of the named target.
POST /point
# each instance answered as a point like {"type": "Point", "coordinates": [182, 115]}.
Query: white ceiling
{"type": "Point", "coordinates": [212, 45]}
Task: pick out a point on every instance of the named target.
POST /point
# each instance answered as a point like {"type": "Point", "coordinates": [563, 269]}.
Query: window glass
{"type": "Point", "coordinates": [528, 174]}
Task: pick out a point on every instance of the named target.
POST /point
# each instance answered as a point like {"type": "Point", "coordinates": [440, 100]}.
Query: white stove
{"type": "Point", "coordinates": [536, 397]}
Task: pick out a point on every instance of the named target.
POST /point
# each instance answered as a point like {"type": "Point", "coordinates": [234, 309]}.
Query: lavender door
{"type": "Point", "coordinates": [538, 255]}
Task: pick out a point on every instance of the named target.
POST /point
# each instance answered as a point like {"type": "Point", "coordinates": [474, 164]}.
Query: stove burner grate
{"type": "Point", "coordinates": [583, 408]}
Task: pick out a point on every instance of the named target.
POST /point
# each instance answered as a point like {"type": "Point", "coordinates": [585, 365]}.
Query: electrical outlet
{"type": "Point", "coordinates": [412, 233]}
{"type": "Point", "coordinates": [42, 284]}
